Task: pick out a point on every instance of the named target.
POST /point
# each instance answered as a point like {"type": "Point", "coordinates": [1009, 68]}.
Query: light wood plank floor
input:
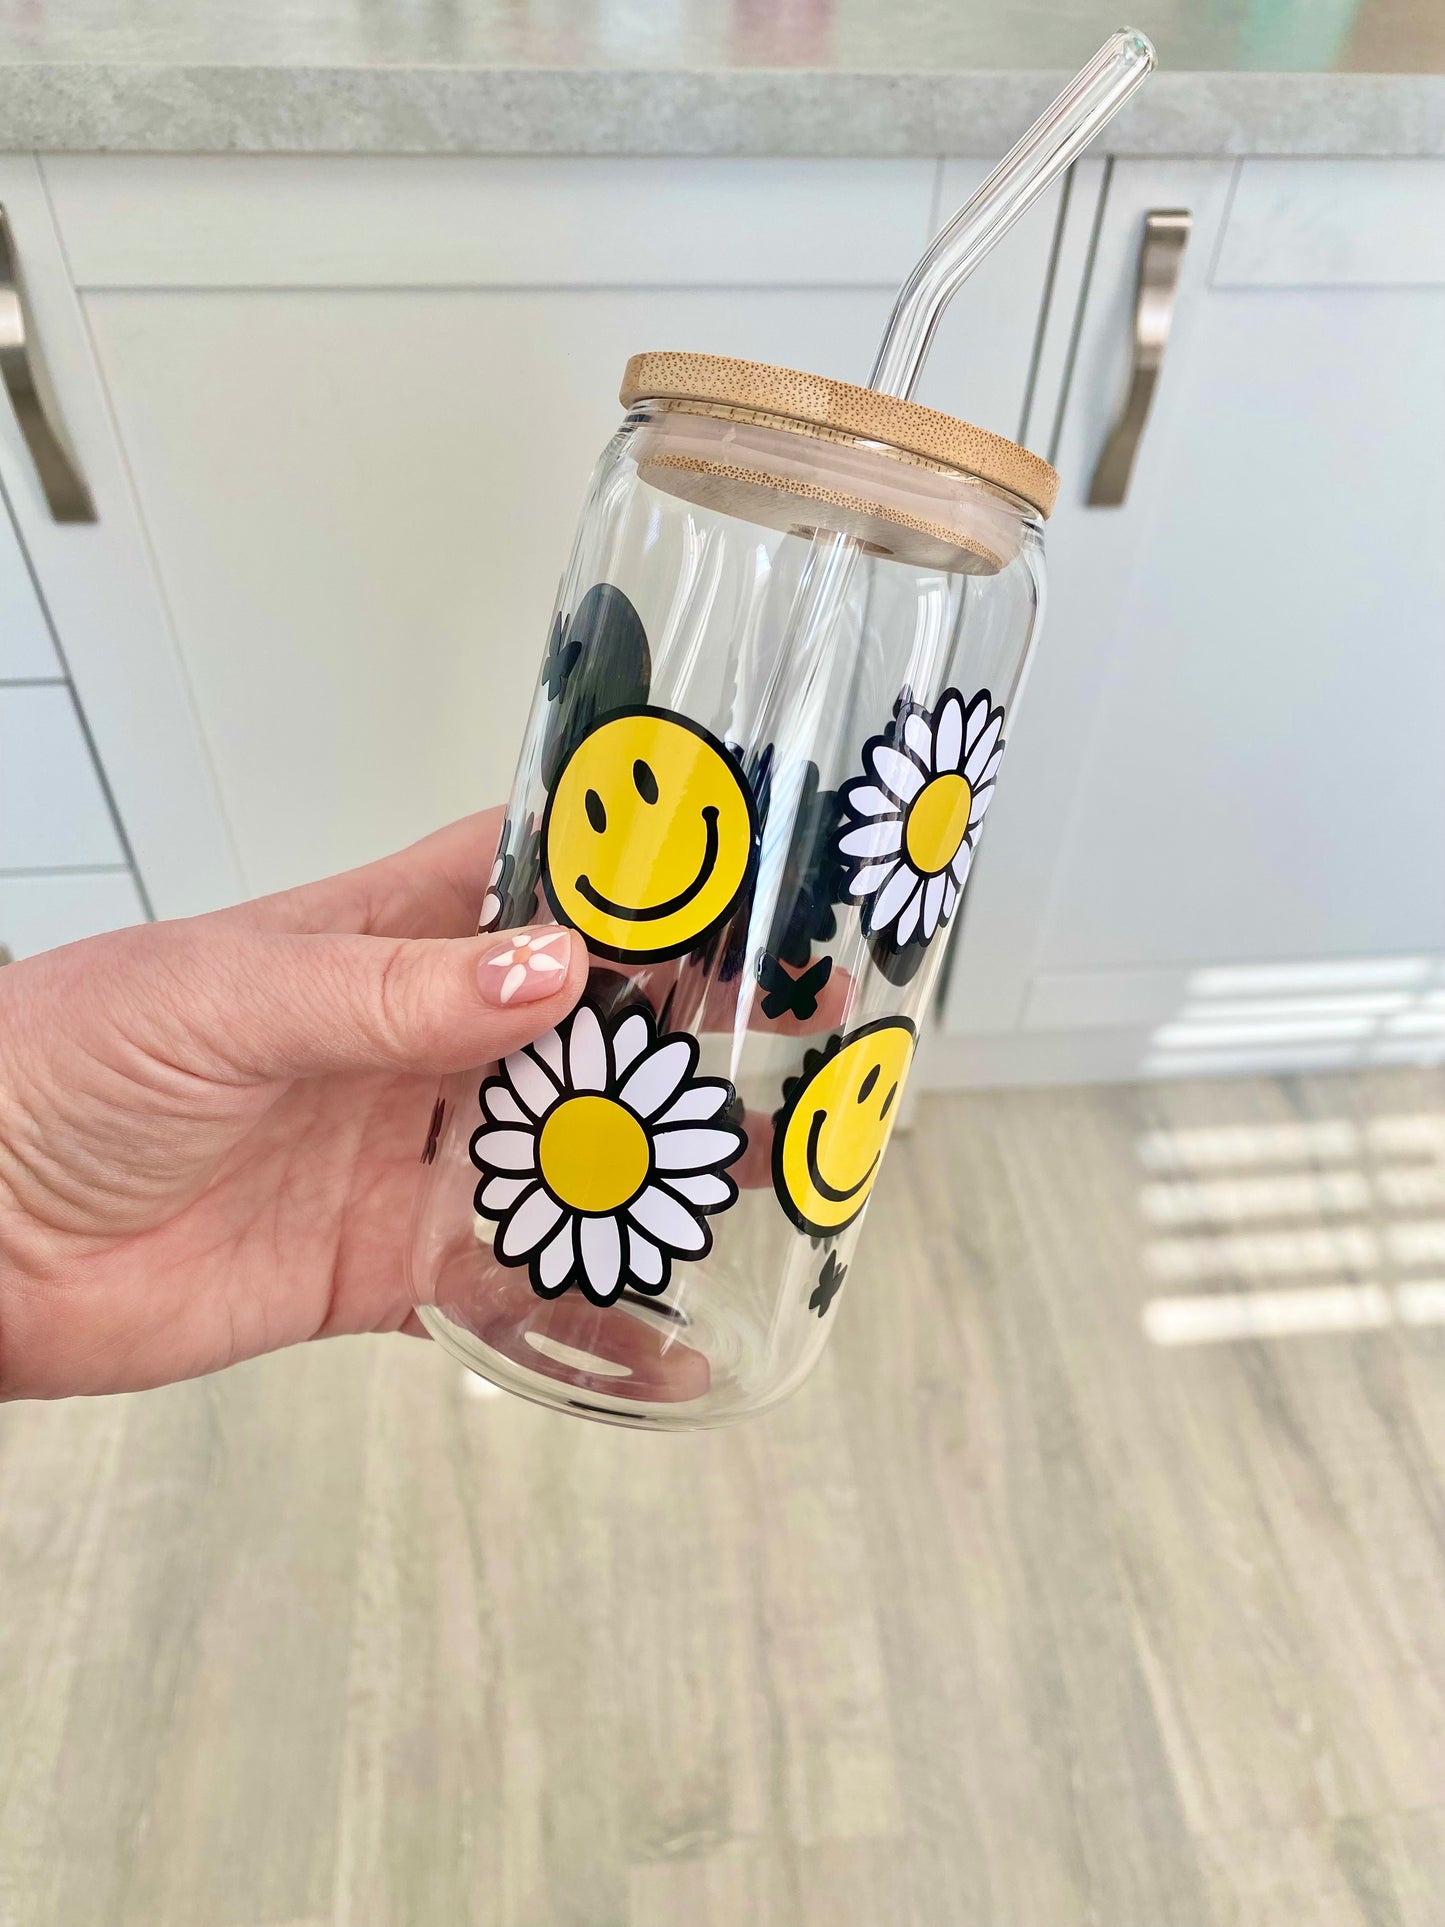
{"type": "Point", "coordinates": [1014, 1617]}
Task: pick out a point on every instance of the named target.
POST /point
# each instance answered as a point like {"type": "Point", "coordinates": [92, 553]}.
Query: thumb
{"type": "Point", "coordinates": [259, 1006]}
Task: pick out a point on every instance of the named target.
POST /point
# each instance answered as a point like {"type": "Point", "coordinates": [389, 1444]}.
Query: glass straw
{"type": "Point", "coordinates": [803, 683]}
{"type": "Point", "coordinates": [1056, 139]}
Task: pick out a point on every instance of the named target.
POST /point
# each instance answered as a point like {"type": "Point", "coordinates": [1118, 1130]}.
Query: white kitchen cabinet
{"type": "Point", "coordinates": [27, 650]}
{"type": "Point", "coordinates": [39, 911]}
{"type": "Point", "coordinates": [1219, 842]}
{"type": "Point", "coordinates": [359, 401]}
{"type": "Point", "coordinates": [53, 812]}
{"type": "Point", "coordinates": [99, 591]}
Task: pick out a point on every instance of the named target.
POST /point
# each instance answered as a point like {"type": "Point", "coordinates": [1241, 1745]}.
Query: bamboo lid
{"type": "Point", "coordinates": [833, 410]}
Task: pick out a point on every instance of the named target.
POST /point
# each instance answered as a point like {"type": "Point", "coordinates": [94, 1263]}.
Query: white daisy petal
{"type": "Point", "coordinates": [644, 1260]}
{"type": "Point", "coordinates": [873, 839]}
{"type": "Point", "coordinates": [909, 915]}
{"type": "Point", "coordinates": [535, 1219]}
{"type": "Point", "coordinates": [866, 799]}
{"type": "Point", "coordinates": [959, 865]}
{"type": "Point", "coordinates": [599, 1246]}
{"type": "Point", "coordinates": [933, 896]}
{"type": "Point", "coordinates": [503, 1108]}
{"type": "Point", "coordinates": [918, 736]}
{"type": "Point", "coordinates": [505, 1150]}
{"type": "Point", "coordinates": [557, 1256]}
{"type": "Point", "coordinates": [491, 911]}
{"type": "Point", "coordinates": [983, 748]}
{"type": "Point", "coordinates": [705, 1189]}
{"type": "Point", "coordinates": [513, 982]}
{"type": "Point", "coordinates": [975, 715]}
{"type": "Point", "coordinates": [536, 1090]}
{"type": "Point", "coordinates": [629, 1039]}
{"type": "Point", "coordinates": [864, 882]}
{"type": "Point", "coordinates": [587, 1051]}
{"type": "Point", "coordinates": [982, 797]}
{"type": "Point", "coordinates": [897, 772]}
{"type": "Point", "coordinates": [892, 897]}
{"type": "Point", "coordinates": [697, 1102]}
{"type": "Point", "coordinates": [498, 1193]}
{"type": "Point", "coordinates": [658, 1076]}
{"type": "Point", "coordinates": [948, 734]}
{"type": "Point", "coordinates": [549, 1048]}
{"type": "Point", "coordinates": [694, 1149]}
{"type": "Point", "coordinates": [669, 1221]}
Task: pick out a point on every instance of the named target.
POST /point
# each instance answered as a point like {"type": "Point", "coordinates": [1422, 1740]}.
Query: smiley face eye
{"type": "Point", "coordinates": [646, 782]}
{"type": "Point", "coordinates": [888, 1103]}
{"type": "Point", "coordinates": [596, 815]}
{"type": "Point", "coordinates": [865, 1089]}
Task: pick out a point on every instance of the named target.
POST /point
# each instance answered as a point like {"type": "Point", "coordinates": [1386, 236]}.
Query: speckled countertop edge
{"type": "Point", "coordinates": [476, 110]}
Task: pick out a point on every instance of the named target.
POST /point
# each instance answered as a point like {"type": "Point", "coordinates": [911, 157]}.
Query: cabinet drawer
{"type": "Point", "coordinates": [45, 912]}
{"type": "Point", "coordinates": [25, 645]}
{"type": "Point", "coordinates": [285, 221]}
{"type": "Point", "coordinates": [53, 812]}
{"type": "Point", "coordinates": [40, 912]}
{"type": "Point", "coordinates": [1335, 224]}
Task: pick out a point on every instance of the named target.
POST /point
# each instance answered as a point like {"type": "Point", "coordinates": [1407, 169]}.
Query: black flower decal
{"type": "Point", "coordinates": [597, 662]}
{"type": "Point", "coordinates": [830, 1283]}
{"type": "Point", "coordinates": [511, 896]}
{"type": "Point", "coordinates": [812, 880]}
{"type": "Point", "coordinates": [562, 653]}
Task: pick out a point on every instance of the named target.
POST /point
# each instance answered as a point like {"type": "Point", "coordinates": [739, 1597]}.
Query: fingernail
{"type": "Point", "coordinates": [526, 966]}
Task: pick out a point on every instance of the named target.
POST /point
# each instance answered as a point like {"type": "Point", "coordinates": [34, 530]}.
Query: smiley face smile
{"type": "Point", "coordinates": [649, 913]}
{"type": "Point", "coordinates": [819, 1182]}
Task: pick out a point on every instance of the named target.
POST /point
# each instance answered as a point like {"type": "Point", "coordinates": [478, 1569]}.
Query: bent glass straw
{"type": "Point", "coordinates": [790, 713]}
{"type": "Point", "coordinates": [1056, 139]}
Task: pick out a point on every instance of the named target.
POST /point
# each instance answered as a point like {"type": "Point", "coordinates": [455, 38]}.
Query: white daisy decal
{"type": "Point", "coordinates": [913, 816]}
{"type": "Point", "coordinates": [602, 1156]}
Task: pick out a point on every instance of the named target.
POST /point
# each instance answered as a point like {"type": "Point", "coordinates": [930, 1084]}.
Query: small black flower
{"type": "Point", "coordinates": [562, 653]}
{"type": "Point", "coordinates": [830, 1283]}
{"type": "Point", "coordinates": [812, 881]}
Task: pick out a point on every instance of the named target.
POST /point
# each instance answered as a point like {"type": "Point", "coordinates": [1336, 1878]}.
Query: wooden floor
{"type": "Point", "coordinates": [1015, 1617]}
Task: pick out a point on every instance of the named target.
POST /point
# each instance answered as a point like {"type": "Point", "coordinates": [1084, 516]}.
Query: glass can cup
{"type": "Point", "coordinates": [785, 659]}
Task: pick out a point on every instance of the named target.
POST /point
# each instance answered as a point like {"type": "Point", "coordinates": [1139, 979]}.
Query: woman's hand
{"type": "Point", "coordinates": [209, 1130]}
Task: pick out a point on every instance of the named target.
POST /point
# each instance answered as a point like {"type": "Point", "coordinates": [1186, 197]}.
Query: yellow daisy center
{"type": "Point", "coordinates": [936, 823]}
{"type": "Point", "coordinates": [593, 1153]}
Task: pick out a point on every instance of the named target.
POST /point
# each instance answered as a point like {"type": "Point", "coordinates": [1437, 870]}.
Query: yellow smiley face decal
{"type": "Point", "coordinates": [650, 836]}
{"type": "Point", "coordinates": [835, 1127]}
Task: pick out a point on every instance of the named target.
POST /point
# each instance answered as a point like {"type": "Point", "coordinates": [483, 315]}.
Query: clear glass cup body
{"type": "Point", "coordinates": [767, 729]}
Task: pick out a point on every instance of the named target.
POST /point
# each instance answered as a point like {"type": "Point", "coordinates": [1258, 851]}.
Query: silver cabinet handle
{"type": "Point", "coordinates": [1161, 253]}
{"type": "Point", "coordinates": [64, 485]}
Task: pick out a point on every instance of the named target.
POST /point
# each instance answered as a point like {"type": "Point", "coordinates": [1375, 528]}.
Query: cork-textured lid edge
{"type": "Point", "coordinates": [817, 401]}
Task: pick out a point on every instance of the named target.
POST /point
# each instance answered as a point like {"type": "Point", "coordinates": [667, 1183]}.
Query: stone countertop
{"type": "Point", "coordinates": [820, 77]}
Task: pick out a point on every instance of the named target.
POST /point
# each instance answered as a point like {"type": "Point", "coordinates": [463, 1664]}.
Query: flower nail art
{"type": "Point", "coordinates": [529, 963]}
